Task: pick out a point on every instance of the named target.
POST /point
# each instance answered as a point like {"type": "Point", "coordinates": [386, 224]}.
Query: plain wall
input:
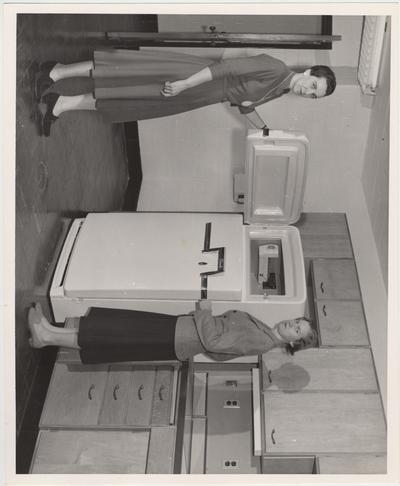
{"type": "Point", "coordinates": [200, 151]}
{"type": "Point", "coordinates": [375, 174]}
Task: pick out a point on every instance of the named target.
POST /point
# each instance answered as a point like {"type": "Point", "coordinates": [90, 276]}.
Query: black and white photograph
{"type": "Point", "coordinates": [198, 217]}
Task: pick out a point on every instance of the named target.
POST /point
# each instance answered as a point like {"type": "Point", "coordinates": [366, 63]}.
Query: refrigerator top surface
{"type": "Point", "coordinates": [155, 256]}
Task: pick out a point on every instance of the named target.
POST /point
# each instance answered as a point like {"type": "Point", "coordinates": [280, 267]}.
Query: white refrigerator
{"type": "Point", "coordinates": [165, 262]}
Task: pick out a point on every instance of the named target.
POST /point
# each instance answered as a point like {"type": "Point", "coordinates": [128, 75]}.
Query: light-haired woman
{"type": "Point", "coordinates": [116, 335]}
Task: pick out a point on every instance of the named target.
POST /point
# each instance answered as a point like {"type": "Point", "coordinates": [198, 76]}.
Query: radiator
{"type": "Point", "coordinates": [370, 52]}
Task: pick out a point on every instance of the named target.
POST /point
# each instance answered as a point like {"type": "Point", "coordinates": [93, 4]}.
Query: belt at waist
{"type": "Point", "coordinates": [187, 342]}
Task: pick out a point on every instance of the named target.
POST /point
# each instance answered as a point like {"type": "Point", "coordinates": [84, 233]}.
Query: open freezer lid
{"type": "Point", "coordinates": [275, 176]}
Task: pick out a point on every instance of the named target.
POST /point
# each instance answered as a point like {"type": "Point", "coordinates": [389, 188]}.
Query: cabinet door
{"type": "Point", "coordinates": [161, 450]}
{"type": "Point", "coordinates": [329, 369]}
{"type": "Point", "coordinates": [198, 446]}
{"type": "Point", "coordinates": [74, 396]}
{"type": "Point", "coordinates": [335, 279]}
{"type": "Point", "coordinates": [352, 464]}
{"type": "Point", "coordinates": [162, 396]}
{"type": "Point", "coordinates": [323, 422]}
{"type": "Point", "coordinates": [141, 396]}
{"type": "Point", "coordinates": [341, 323]}
{"type": "Point", "coordinates": [288, 465]}
{"type": "Point", "coordinates": [116, 395]}
{"type": "Point", "coordinates": [90, 451]}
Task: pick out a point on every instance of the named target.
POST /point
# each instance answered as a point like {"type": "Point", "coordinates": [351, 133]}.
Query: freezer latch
{"type": "Point", "coordinates": [209, 252]}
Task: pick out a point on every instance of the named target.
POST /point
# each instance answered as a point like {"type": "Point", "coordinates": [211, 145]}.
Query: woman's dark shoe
{"type": "Point", "coordinates": [49, 118]}
{"type": "Point", "coordinates": [43, 80]}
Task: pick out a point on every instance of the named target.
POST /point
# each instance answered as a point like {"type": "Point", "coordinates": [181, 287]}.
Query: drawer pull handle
{"type": "Point", "coordinates": [324, 309]}
{"type": "Point", "coordinates": [322, 287]}
{"type": "Point", "coordinates": [141, 388]}
{"type": "Point", "coordinates": [269, 376]}
{"type": "Point", "coordinates": [272, 436]}
{"type": "Point", "coordinates": [160, 392]}
{"type": "Point", "coordinates": [116, 387]}
{"type": "Point", "coordinates": [91, 389]}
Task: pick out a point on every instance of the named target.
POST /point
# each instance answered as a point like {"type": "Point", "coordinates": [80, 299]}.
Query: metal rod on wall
{"type": "Point", "coordinates": [218, 39]}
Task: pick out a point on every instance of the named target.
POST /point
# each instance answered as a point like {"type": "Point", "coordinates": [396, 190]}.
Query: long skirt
{"type": "Point", "coordinates": [118, 335]}
{"type": "Point", "coordinates": [128, 84]}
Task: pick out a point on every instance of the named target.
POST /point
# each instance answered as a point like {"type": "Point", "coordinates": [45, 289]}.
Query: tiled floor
{"type": "Point", "coordinates": [81, 167]}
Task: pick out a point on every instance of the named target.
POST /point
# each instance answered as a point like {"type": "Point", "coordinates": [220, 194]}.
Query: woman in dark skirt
{"type": "Point", "coordinates": [117, 335]}
{"type": "Point", "coordinates": [138, 85]}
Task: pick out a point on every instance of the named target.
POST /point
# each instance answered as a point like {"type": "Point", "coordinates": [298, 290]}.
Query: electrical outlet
{"type": "Point", "coordinates": [232, 404]}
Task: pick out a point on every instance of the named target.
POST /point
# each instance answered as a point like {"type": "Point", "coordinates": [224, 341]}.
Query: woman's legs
{"type": "Point", "coordinates": [76, 70]}
{"type": "Point", "coordinates": [54, 105]}
{"type": "Point", "coordinates": [44, 334]}
{"type": "Point", "coordinates": [70, 103]}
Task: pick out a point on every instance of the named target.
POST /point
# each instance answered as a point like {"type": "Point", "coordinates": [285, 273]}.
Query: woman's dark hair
{"type": "Point", "coordinates": [310, 341]}
{"type": "Point", "coordinates": [321, 71]}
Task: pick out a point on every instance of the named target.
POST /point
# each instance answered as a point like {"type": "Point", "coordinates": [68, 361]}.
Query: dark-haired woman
{"type": "Point", "coordinates": [116, 335]}
{"type": "Point", "coordinates": [138, 85]}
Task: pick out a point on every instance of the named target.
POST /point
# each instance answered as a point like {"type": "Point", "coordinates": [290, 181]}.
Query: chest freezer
{"type": "Point", "coordinates": [165, 262]}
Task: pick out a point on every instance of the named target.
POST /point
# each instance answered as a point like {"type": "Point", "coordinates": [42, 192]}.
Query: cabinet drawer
{"type": "Point", "coordinates": [137, 396]}
{"type": "Point", "coordinates": [335, 279]}
{"type": "Point", "coordinates": [90, 451]}
{"type": "Point", "coordinates": [341, 323]}
{"type": "Point", "coordinates": [327, 369]}
{"type": "Point", "coordinates": [116, 395]}
{"type": "Point", "coordinates": [162, 396]}
{"type": "Point", "coordinates": [75, 395]}
{"type": "Point", "coordinates": [141, 396]}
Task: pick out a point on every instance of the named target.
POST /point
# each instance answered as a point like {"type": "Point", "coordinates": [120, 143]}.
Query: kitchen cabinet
{"type": "Point", "coordinates": [75, 395]}
{"type": "Point", "coordinates": [348, 463]}
{"type": "Point", "coordinates": [90, 451]}
{"type": "Point", "coordinates": [161, 450]}
{"type": "Point", "coordinates": [198, 445]}
{"type": "Point", "coordinates": [141, 396]}
{"type": "Point", "coordinates": [337, 303]}
{"type": "Point", "coordinates": [323, 422]}
{"type": "Point", "coordinates": [119, 395]}
{"type": "Point", "coordinates": [162, 394]}
{"type": "Point", "coordinates": [119, 418]}
{"type": "Point", "coordinates": [116, 396]}
{"type": "Point", "coordinates": [105, 452]}
{"type": "Point", "coordinates": [326, 369]}
{"type": "Point", "coordinates": [335, 279]}
{"type": "Point", "coordinates": [341, 323]}
{"type": "Point", "coordinates": [288, 465]}
{"type": "Point", "coordinates": [324, 235]}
